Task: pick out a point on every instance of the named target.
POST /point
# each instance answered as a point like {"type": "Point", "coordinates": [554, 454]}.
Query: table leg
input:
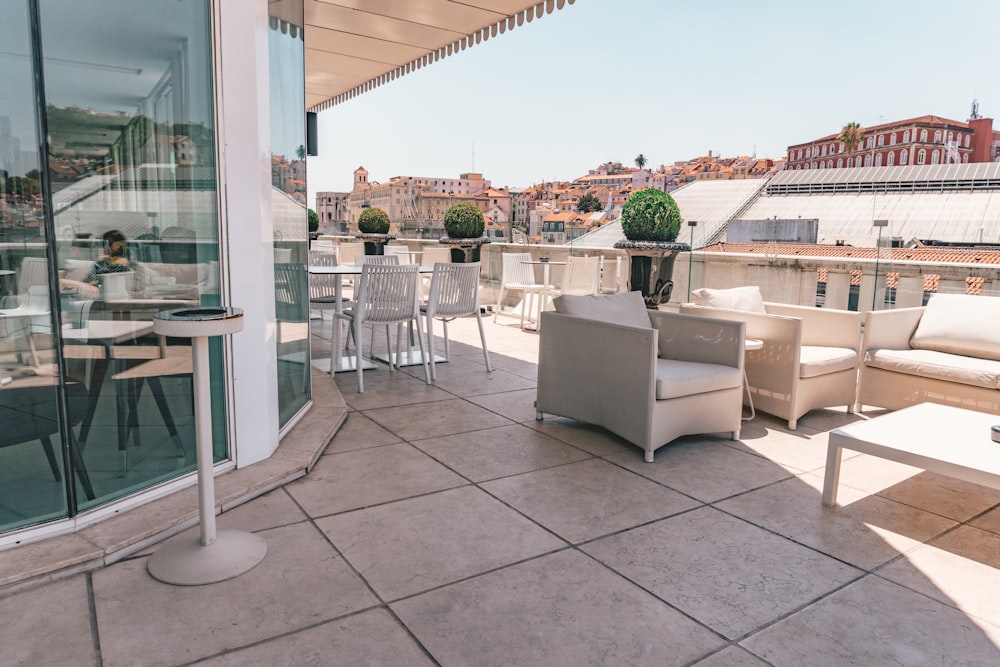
{"type": "Point", "coordinates": [831, 479]}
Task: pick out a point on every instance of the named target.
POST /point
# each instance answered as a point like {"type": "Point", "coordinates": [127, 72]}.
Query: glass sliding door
{"type": "Point", "coordinates": [288, 199]}
{"type": "Point", "coordinates": [32, 456]}
{"type": "Point", "coordinates": [129, 119]}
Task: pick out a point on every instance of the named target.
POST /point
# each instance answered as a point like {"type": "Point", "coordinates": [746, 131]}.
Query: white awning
{"type": "Point", "coordinates": [353, 46]}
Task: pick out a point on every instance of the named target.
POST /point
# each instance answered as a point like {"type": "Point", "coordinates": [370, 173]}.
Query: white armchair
{"type": "Point", "coordinates": [809, 358]}
{"type": "Point", "coordinates": [647, 376]}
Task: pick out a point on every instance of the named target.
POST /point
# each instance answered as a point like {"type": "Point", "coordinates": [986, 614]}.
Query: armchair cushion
{"type": "Point", "coordinates": [816, 360]}
{"type": "Point", "coordinates": [626, 308]}
{"type": "Point", "coordinates": [961, 324]}
{"type": "Point", "coordinates": [736, 298]}
{"type": "Point", "coordinates": [685, 378]}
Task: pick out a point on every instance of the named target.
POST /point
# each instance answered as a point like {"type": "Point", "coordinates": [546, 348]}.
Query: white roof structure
{"type": "Point", "coordinates": [954, 203]}
{"type": "Point", "coordinates": [352, 46]}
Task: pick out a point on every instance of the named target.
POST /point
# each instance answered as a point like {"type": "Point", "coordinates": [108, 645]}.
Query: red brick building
{"type": "Point", "coordinates": [916, 141]}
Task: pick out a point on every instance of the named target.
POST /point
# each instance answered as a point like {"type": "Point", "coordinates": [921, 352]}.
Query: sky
{"type": "Point", "coordinates": [606, 80]}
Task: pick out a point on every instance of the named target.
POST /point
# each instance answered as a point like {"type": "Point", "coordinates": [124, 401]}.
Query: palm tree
{"type": "Point", "coordinates": [640, 160]}
{"type": "Point", "coordinates": [851, 137]}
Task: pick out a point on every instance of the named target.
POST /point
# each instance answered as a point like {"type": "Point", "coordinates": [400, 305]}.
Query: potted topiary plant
{"type": "Point", "coordinates": [464, 224]}
{"type": "Point", "coordinates": [651, 221]}
{"type": "Point", "coordinates": [373, 223]}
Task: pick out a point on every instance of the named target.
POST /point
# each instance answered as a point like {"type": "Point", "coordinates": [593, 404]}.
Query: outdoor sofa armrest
{"type": "Point", "coordinates": [708, 340]}
{"type": "Point", "coordinates": [891, 329]}
{"type": "Point", "coordinates": [824, 327]}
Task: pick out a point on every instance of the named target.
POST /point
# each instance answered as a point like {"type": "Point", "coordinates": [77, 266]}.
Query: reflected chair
{"type": "Point", "coordinates": [322, 287]}
{"type": "Point", "coordinates": [348, 252]}
{"type": "Point", "coordinates": [519, 277]}
{"type": "Point", "coordinates": [18, 325]}
{"type": "Point", "coordinates": [454, 293]}
{"type": "Point", "coordinates": [292, 314]}
{"type": "Point", "coordinates": [401, 251]}
{"type": "Point", "coordinates": [386, 294]}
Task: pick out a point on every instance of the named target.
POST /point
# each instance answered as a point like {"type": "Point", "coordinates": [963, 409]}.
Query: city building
{"type": "Point", "coordinates": [915, 141]}
{"type": "Point", "coordinates": [334, 216]}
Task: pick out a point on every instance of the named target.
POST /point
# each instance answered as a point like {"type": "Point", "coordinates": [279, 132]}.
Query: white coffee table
{"type": "Point", "coordinates": [939, 438]}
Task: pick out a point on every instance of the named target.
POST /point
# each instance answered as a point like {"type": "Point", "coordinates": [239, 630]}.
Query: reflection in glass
{"type": "Point", "coordinates": [32, 469]}
{"type": "Point", "coordinates": [288, 200]}
{"type": "Point", "coordinates": [131, 161]}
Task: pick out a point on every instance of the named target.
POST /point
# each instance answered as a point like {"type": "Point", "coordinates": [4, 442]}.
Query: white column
{"type": "Point", "coordinates": [245, 128]}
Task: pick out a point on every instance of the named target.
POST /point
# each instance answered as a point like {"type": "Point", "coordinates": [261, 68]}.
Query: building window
{"type": "Point", "coordinates": [904, 156]}
{"type": "Point", "coordinates": [921, 156]}
{"type": "Point", "coordinates": [890, 159]}
{"type": "Point", "coordinates": [892, 139]}
{"type": "Point", "coordinates": [868, 160]}
{"type": "Point", "coordinates": [937, 136]}
{"type": "Point", "coordinates": [934, 157]}
{"type": "Point", "coordinates": [966, 141]}
{"type": "Point", "coordinates": [878, 160]}
{"type": "Point", "coordinates": [923, 136]}
{"type": "Point", "coordinates": [906, 137]}
{"type": "Point", "coordinates": [840, 163]}
{"type": "Point", "coordinates": [881, 140]}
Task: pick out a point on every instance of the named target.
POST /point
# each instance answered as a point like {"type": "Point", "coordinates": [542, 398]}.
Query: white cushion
{"type": "Point", "coordinates": [686, 378]}
{"type": "Point", "coordinates": [816, 360]}
{"type": "Point", "coordinates": [627, 308]}
{"type": "Point", "coordinates": [961, 324]}
{"type": "Point", "coordinates": [77, 269]}
{"type": "Point", "coordinates": [736, 298]}
{"type": "Point", "coordinates": [938, 365]}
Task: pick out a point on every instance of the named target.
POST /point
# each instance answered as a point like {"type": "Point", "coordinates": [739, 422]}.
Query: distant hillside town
{"type": "Point", "coordinates": [560, 212]}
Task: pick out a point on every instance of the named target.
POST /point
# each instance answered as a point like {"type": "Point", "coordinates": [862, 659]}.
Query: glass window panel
{"type": "Point", "coordinates": [288, 197]}
{"type": "Point", "coordinates": [32, 470]}
{"type": "Point", "coordinates": [131, 142]}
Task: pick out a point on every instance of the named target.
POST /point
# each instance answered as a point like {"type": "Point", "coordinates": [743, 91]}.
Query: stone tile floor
{"type": "Point", "coordinates": [444, 525]}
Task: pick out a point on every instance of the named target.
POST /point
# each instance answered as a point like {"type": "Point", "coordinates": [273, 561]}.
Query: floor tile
{"type": "Point", "coordinates": [359, 432]}
{"type": "Point", "coordinates": [562, 609]}
{"type": "Point", "coordinates": [48, 625]}
{"type": "Point", "coordinates": [414, 545]}
{"type": "Point", "coordinates": [383, 389]}
{"type": "Point", "coordinates": [469, 377]}
{"type": "Point", "coordinates": [961, 569]}
{"type": "Point", "coordinates": [795, 451]}
{"type": "Point", "coordinates": [989, 521]}
{"type": "Point", "coordinates": [875, 622]}
{"type": "Point", "coordinates": [587, 437]}
{"type": "Point", "coordinates": [428, 420]}
{"type": "Point", "coordinates": [928, 491]}
{"type": "Point", "coordinates": [516, 405]}
{"type": "Point", "coordinates": [581, 501]}
{"type": "Point", "coordinates": [863, 530]}
{"type": "Point", "coordinates": [732, 656]}
{"type": "Point", "coordinates": [350, 480]}
{"type": "Point", "coordinates": [704, 469]}
{"type": "Point", "coordinates": [369, 638]}
{"type": "Point", "coordinates": [499, 452]}
{"type": "Point", "coordinates": [300, 582]}
{"type": "Point", "coordinates": [726, 573]}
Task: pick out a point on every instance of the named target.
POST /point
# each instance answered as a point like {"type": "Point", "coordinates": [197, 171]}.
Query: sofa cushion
{"type": "Point", "coordinates": [735, 298]}
{"type": "Point", "coordinates": [684, 378]}
{"type": "Point", "coordinates": [816, 360]}
{"type": "Point", "coordinates": [77, 269]}
{"type": "Point", "coordinates": [938, 365]}
{"type": "Point", "coordinates": [961, 324]}
{"type": "Point", "coordinates": [627, 308]}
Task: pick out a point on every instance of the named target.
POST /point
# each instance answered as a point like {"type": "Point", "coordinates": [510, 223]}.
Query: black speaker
{"type": "Point", "coordinates": [312, 140]}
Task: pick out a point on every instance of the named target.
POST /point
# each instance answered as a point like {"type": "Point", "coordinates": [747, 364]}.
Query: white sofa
{"type": "Point", "coordinates": [946, 352]}
{"type": "Point", "coordinates": [809, 358]}
{"type": "Point", "coordinates": [648, 376]}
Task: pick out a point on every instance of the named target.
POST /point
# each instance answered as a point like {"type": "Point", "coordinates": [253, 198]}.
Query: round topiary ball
{"type": "Point", "coordinates": [651, 215]}
{"type": "Point", "coordinates": [373, 221]}
{"type": "Point", "coordinates": [464, 221]}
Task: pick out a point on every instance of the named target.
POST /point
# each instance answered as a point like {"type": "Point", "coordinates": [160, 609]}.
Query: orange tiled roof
{"type": "Point", "coordinates": [924, 254]}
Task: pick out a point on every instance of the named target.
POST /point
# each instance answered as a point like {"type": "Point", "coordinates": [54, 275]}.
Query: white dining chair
{"type": "Point", "coordinates": [454, 293]}
{"type": "Point", "coordinates": [322, 287]}
{"type": "Point", "coordinates": [386, 294]}
{"type": "Point", "coordinates": [519, 277]}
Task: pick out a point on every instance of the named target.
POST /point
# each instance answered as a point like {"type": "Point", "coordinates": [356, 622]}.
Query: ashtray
{"type": "Point", "coordinates": [995, 433]}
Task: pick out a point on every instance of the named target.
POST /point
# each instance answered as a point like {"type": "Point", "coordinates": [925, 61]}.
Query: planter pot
{"type": "Point", "coordinates": [375, 243]}
{"type": "Point", "coordinates": [651, 268]}
{"type": "Point", "coordinates": [464, 251]}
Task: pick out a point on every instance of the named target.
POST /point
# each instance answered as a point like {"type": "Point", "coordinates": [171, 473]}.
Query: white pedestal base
{"type": "Point", "coordinates": [190, 563]}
